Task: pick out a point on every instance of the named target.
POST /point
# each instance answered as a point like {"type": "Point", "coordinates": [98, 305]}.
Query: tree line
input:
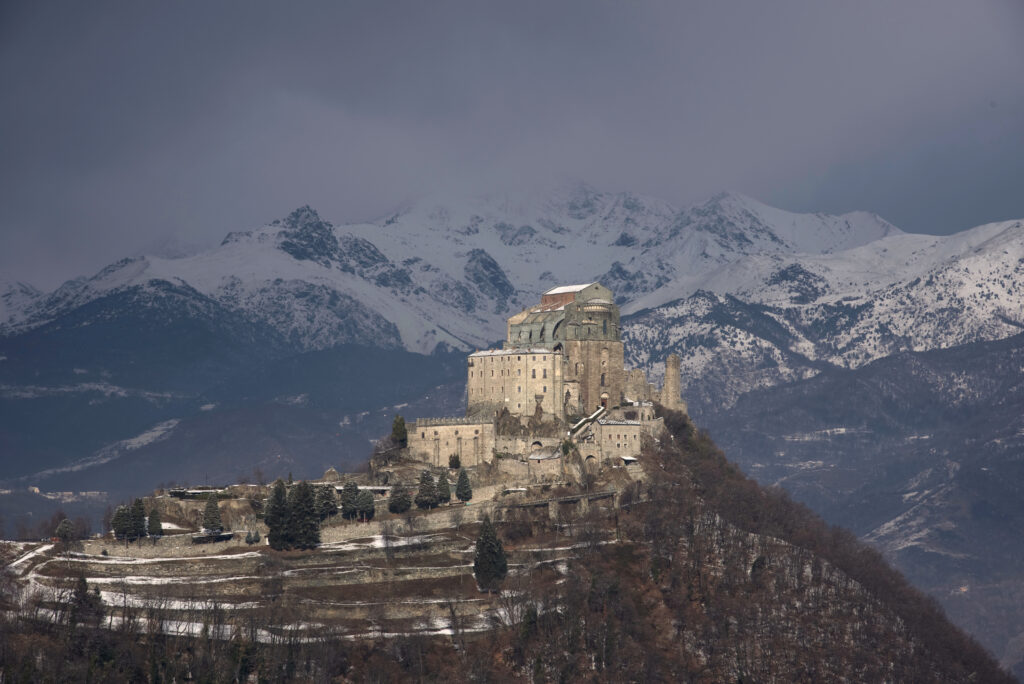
{"type": "Point", "coordinates": [130, 522]}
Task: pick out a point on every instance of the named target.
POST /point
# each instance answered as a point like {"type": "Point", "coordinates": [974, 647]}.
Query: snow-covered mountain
{"type": "Point", "coordinates": [15, 297]}
{"type": "Point", "coordinates": [771, 318]}
{"type": "Point", "coordinates": [748, 294]}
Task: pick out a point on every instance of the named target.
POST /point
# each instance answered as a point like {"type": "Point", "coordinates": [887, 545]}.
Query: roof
{"type": "Point", "coordinates": [563, 289]}
{"type": "Point", "coordinates": [506, 352]}
{"type": "Point", "coordinates": [618, 422]}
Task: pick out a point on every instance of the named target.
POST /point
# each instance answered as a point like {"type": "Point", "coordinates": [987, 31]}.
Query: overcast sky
{"type": "Point", "coordinates": [124, 124]}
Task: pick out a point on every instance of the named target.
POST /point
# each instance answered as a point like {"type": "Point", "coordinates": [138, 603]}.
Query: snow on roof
{"type": "Point", "coordinates": [505, 352]}
{"type": "Point", "coordinates": [567, 288]}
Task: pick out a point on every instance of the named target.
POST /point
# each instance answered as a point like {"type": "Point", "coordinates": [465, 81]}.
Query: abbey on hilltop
{"type": "Point", "coordinates": [559, 375]}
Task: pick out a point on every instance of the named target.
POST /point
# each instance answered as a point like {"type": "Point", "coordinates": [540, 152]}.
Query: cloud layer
{"type": "Point", "coordinates": [125, 123]}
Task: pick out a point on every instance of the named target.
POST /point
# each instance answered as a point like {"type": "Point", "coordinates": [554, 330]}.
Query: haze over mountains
{"type": "Point", "coordinates": [289, 347]}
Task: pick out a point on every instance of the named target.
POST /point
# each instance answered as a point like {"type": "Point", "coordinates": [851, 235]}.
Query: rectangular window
{"type": "Point", "coordinates": [545, 372]}
{"type": "Point", "coordinates": [545, 388]}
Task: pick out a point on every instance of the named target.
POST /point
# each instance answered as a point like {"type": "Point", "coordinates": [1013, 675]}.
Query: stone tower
{"type": "Point", "coordinates": [670, 394]}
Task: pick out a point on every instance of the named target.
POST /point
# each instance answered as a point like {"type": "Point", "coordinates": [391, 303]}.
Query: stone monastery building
{"type": "Point", "coordinates": [560, 374]}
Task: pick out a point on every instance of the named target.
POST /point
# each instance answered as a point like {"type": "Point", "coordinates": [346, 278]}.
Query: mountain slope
{"type": "Point", "coordinates": [922, 454]}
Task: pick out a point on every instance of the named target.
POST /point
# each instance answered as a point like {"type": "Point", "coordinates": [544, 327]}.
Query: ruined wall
{"type": "Point", "coordinates": [435, 439]}
{"type": "Point", "coordinates": [670, 394]}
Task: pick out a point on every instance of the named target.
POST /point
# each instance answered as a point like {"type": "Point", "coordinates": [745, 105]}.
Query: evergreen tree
{"type": "Point", "coordinates": [154, 527]}
{"type": "Point", "coordinates": [211, 514]}
{"type": "Point", "coordinates": [444, 490]}
{"type": "Point", "coordinates": [454, 461]}
{"type": "Point", "coordinates": [138, 520]}
{"type": "Point", "coordinates": [303, 519]}
{"type": "Point", "coordinates": [326, 505]}
{"type": "Point", "coordinates": [65, 532]}
{"type": "Point", "coordinates": [489, 563]}
{"type": "Point", "coordinates": [365, 505]}
{"type": "Point", "coordinates": [426, 497]}
{"type": "Point", "coordinates": [462, 489]}
{"type": "Point", "coordinates": [399, 434]}
{"type": "Point", "coordinates": [121, 522]}
{"type": "Point", "coordinates": [86, 606]}
{"type": "Point", "coordinates": [348, 500]}
{"type": "Point", "coordinates": [276, 515]}
{"type": "Point", "coordinates": [400, 501]}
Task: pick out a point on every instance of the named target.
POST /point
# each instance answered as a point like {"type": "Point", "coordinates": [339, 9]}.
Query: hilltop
{"type": "Point", "coordinates": [698, 575]}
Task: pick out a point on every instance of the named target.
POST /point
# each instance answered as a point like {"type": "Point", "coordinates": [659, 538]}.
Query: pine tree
{"type": "Point", "coordinates": [86, 606]}
{"type": "Point", "coordinates": [326, 505]}
{"type": "Point", "coordinates": [444, 490]}
{"type": "Point", "coordinates": [303, 519]}
{"type": "Point", "coordinates": [275, 515]}
{"type": "Point", "coordinates": [138, 519]}
{"type": "Point", "coordinates": [121, 522]}
{"type": "Point", "coordinates": [211, 514]}
{"type": "Point", "coordinates": [399, 433]}
{"type": "Point", "coordinates": [348, 500]}
{"type": "Point", "coordinates": [155, 527]}
{"type": "Point", "coordinates": [463, 491]}
{"type": "Point", "coordinates": [400, 501]}
{"type": "Point", "coordinates": [65, 532]}
{"type": "Point", "coordinates": [489, 563]}
{"type": "Point", "coordinates": [426, 497]}
{"type": "Point", "coordinates": [365, 505]}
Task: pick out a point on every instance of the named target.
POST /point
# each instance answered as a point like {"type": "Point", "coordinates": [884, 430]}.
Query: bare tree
{"type": "Point", "coordinates": [456, 516]}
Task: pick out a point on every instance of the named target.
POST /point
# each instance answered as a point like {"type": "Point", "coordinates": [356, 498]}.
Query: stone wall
{"type": "Point", "coordinates": [524, 470]}
{"type": "Point", "coordinates": [516, 379]}
{"type": "Point", "coordinates": [597, 367]}
{"type": "Point", "coordinates": [434, 440]}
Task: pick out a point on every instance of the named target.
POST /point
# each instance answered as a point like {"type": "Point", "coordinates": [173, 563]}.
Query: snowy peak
{"type": "Point", "coordinates": [15, 296]}
{"type": "Point", "coordinates": [736, 224]}
{"type": "Point", "coordinates": [448, 271]}
{"type": "Point", "coordinates": [307, 237]}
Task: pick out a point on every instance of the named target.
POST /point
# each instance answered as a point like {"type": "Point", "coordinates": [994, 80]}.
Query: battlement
{"type": "Point", "coordinates": [450, 420]}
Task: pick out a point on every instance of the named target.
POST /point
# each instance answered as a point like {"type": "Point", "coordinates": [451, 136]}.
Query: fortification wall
{"type": "Point", "coordinates": [516, 380]}
{"type": "Point", "coordinates": [434, 440]}
{"type": "Point", "coordinates": [521, 471]}
{"type": "Point", "coordinates": [618, 439]}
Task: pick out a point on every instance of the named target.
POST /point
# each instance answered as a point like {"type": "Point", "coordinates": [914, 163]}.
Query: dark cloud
{"type": "Point", "coordinates": [124, 123]}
